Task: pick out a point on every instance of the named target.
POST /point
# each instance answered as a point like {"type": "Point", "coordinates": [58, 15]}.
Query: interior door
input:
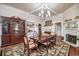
{"type": "Point", "coordinates": [58, 28]}
{"type": "Point", "coordinates": [39, 30]}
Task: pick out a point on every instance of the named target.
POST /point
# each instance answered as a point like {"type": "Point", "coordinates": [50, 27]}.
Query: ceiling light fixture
{"type": "Point", "coordinates": [39, 14]}
{"type": "Point", "coordinates": [45, 12]}
{"type": "Point", "coordinates": [49, 13]}
{"type": "Point", "coordinates": [42, 11]}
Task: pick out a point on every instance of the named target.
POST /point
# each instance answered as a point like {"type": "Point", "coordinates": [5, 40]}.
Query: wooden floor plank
{"type": "Point", "coordinates": [74, 51]}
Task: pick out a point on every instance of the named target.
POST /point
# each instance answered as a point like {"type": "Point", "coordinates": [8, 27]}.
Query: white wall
{"type": "Point", "coordinates": [6, 10]}
{"type": "Point", "coordinates": [70, 14]}
{"type": "Point", "coordinates": [55, 19]}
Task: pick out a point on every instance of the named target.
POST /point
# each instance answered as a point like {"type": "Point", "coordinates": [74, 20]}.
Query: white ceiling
{"type": "Point", "coordinates": [35, 8]}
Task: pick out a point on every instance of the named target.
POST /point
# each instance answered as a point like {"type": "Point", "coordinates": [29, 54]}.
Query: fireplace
{"type": "Point", "coordinates": [71, 38]}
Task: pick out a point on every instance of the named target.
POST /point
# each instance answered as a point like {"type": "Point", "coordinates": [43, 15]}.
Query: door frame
{"type": "Point", "coordinates": [60, 28]}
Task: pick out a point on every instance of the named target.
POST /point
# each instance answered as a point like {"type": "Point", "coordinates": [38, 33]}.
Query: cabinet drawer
{"type": "Point", "coordinates": [14, 39]}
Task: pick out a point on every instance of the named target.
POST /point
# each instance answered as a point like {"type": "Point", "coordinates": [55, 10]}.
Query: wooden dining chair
{"type": "Point", "coordinates": [45, 42]}
{"type": "Point", "coordinates": [29, 44]}
{"type": "Point", "coordinates": [52, 40]}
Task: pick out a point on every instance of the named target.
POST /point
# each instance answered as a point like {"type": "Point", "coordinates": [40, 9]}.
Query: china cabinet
{"type": "Point", "coordinates": [13, 30]}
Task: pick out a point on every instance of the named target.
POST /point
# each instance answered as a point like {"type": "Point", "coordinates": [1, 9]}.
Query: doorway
{"type": "Point", "coordinates": [39, 30]}
{"type": "Point", "coordinates": [58, 28]}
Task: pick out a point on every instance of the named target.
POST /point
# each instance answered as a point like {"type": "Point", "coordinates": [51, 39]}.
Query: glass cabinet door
{"type": "Point", "coordinates": [14, 27]}
{"type": "Point", "coordinates": [21, 27]}
{"type": "Point", "coordinates": [17, 27]}
{"type": "Point", "coordinates": [4, 27]}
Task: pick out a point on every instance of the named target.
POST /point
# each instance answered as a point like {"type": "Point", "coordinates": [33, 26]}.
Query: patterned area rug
{"type": "Point", "coordinates": [61, 49]}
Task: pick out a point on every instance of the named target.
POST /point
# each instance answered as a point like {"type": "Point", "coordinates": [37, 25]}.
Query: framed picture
{"type": "Point", "coordinates": [30, 24]}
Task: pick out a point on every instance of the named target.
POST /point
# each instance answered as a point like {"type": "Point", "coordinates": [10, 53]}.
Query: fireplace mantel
{"type": "Point", "coordinates": [74, 45]}
{"type": "Point", "coordinates": [71, 40]}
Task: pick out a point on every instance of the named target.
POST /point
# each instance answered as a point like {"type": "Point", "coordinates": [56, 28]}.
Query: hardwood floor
{"type": "Point", "coordinates": [74, 51]}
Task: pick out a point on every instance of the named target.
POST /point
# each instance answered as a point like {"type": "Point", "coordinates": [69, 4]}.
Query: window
{"type": "Point", "coordinates": [48, 23]}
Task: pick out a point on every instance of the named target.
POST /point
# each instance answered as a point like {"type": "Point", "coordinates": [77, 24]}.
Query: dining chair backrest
{"type": "Point", "coordinates": [25, 39]}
